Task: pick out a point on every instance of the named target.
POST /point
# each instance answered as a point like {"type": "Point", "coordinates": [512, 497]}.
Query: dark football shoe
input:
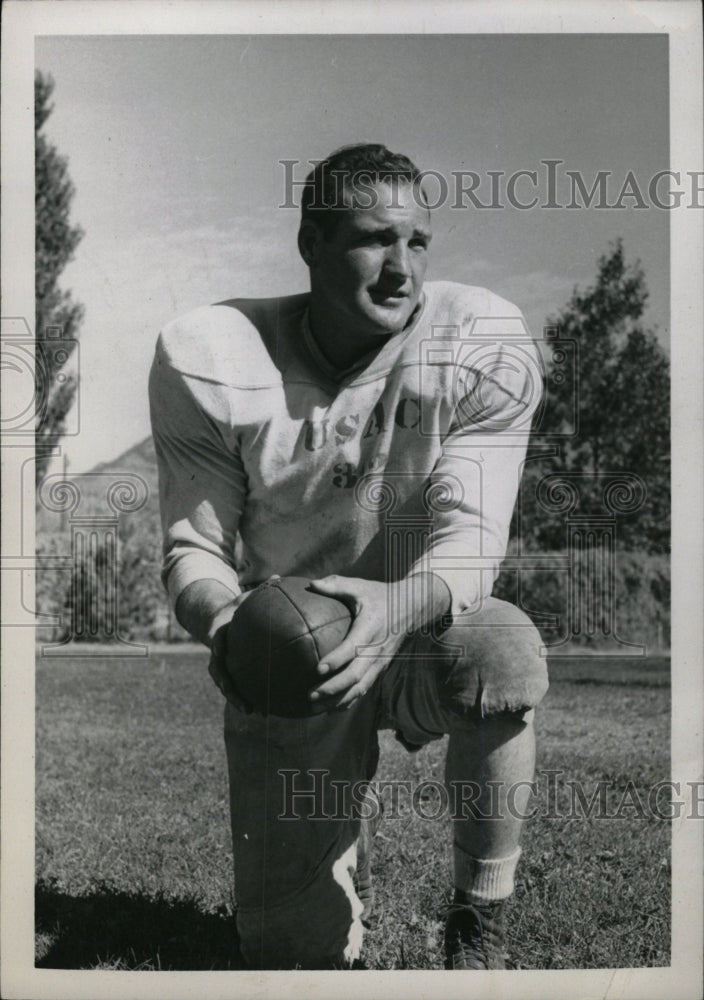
{"type": "Point", "coordinates": [475, 936]}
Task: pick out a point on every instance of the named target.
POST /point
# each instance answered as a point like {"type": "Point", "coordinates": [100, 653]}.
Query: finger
{"type": "Point", "coordinates": [353, 694]}
{"type": "Point", "coordinates": [340, 703]}
{"type": "Point", "coordinates": [338, 657]}
{"type": "Point", "coordinates": [347, 700]}
{"type": "Point", "coordinates": [331, 705]}
{"type": "Point", "coordinates": [343, 587]}
{"type": "Point", "coordinates": [359, 636]}
{"type": "Point", "coordinates": [342, 681]}
{"type": "Point", "coordinates": [357, 689]}
{"type": "Point", "coordinates": [320, 707]}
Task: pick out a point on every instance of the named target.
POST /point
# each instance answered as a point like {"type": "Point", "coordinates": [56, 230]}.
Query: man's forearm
{"type": "Point", "coordinates": [420, 599]}
{"type": "Point", "coordinates": [204, 606]}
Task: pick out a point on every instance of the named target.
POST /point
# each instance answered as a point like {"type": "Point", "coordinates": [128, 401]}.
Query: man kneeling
{"type": "Point", "coordinates": [368, 435]}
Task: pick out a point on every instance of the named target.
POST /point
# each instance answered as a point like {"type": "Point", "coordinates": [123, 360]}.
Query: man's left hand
{"type": "Point", "coordinates": [378, 621]}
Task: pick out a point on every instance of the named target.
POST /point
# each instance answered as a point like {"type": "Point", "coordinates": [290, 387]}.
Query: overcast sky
{"type": "Point", "coordinates": [174, 146]}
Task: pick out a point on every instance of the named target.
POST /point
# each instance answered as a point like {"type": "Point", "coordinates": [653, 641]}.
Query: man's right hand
{"type": "Point", "coordinates": [217, 667]}
{"type": "Point", "coordinates": [217, 640]}
{"type": "Point", "coordinates": [205, 609]}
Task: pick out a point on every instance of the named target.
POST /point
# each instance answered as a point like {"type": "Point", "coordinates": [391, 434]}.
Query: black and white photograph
{"type": "Point", "coordinates": [352, 511]}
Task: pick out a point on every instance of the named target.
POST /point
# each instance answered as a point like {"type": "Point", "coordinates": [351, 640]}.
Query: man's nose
{"type": "Point", "coordinates": [398, 260]}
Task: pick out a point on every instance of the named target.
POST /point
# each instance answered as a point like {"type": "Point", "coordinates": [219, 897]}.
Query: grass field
{"type": "Point", "coordinates": [133, 858]}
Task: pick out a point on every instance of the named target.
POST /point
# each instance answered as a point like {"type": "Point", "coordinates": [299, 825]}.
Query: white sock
{"type": "Point", "coordinates": [484, 880]}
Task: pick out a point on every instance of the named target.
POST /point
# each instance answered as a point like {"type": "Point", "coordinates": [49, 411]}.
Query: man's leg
{"type": "Point", "coordinates": [294, 833]}
{"type": "Point", "coordinates": [479, 684]}
{"type": "Point", "coordinates": [485, 758]}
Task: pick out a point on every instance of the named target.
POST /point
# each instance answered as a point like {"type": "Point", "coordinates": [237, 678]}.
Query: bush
{"type": "Point", "coordinates": [637, 595]}
{"type": "Point", "coordinates": [144, 607]}
{"type": "Point", "coordinates": [51, 587]}
{"type": "Point", "coordinates": [83, 591]}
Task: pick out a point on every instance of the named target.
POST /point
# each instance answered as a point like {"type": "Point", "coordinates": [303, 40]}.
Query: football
{"type": "Point", "coordinates": [275, 641]}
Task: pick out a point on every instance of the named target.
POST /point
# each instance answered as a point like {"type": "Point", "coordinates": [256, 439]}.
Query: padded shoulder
{"type": "Point", "coordinates": [244, 343]}
{"type": "Point", "coordinates": [474, 311]}
{"type": "Point", "coordinates": [486, 334]}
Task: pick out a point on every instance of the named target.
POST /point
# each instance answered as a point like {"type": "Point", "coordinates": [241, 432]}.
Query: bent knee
{"type": "Point", "coordinates": [499, 665]}
{"type": "Point", "coordinates": [500, 633]}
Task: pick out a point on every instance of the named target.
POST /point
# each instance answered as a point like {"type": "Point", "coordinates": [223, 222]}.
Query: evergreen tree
{"type": "Point", "coordinates": [622, 392]}
{"type": "Point", "coordinates": [55, 242]}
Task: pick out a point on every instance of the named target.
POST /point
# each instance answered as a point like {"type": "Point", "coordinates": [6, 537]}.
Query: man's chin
{"type": "Point", "coordinates": [390, 318]}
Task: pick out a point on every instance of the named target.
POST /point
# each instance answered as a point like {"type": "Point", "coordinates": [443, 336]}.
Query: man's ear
{"type": "Point", "coordinates": [309, 240]}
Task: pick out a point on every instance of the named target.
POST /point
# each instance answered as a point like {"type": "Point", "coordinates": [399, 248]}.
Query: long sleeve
{"type": "Point", "coordinates": [201, 479]}
{"type": "Point", "coordinates": [474, 484]}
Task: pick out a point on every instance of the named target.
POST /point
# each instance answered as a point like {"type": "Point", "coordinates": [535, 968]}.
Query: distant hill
{"type": "Point", "coordinates": [141, 599]}
{"type": "Point", "coordinates": [139, 460]}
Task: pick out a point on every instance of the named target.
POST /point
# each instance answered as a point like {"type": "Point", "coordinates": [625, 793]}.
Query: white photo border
{"type": "Point", "coordinates": [681, 20]}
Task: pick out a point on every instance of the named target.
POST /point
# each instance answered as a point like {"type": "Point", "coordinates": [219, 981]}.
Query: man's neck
{"type": "Point", "coordinates": [342, 347]}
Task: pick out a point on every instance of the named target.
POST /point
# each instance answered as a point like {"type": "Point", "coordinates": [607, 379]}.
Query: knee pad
{"type": "Point", "coordinates": [497, 662]}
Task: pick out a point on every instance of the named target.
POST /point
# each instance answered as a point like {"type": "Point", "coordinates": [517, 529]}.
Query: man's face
{"type": "Point", "coordinates": [369, 273]}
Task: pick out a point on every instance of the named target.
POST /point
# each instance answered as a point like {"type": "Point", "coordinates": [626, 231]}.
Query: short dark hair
{"type": "Point", "coordinates": [323, 195]}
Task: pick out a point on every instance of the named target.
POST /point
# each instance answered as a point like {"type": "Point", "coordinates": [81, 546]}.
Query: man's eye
{"type": "Point", "coordinates": [418, 244]}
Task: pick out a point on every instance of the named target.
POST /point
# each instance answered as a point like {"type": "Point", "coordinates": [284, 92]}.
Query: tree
{"type": "Point", "coordinates": [55, 242]}
{"type": "Point", "coordinates": [622, 390]}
